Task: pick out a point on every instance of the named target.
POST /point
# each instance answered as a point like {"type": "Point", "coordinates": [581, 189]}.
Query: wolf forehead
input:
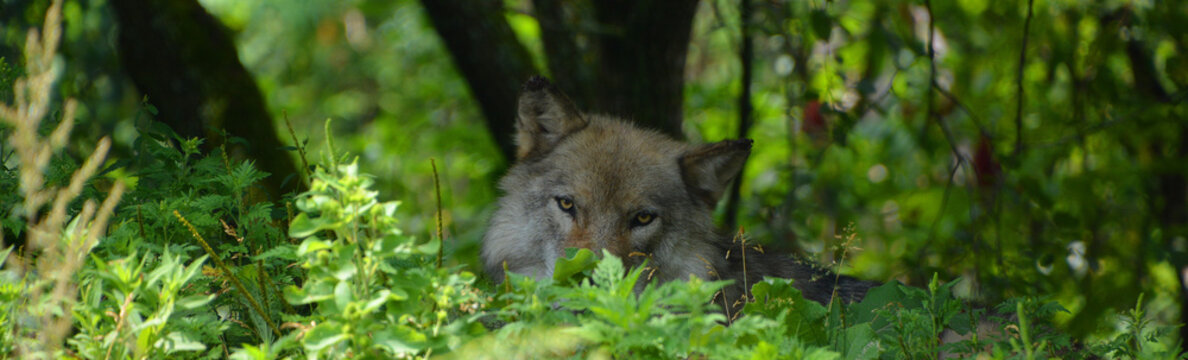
{"type": "Point", "coordinates": [608, 160]}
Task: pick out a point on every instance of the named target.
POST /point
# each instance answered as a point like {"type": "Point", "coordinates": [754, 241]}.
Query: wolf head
{"type": "Point", "coordinates": [596, 182]}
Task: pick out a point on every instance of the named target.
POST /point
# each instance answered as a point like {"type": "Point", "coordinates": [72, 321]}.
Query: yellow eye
{"type": "Point", "coordinates": [643, 218]}
{"type": "Point", "coordinates": [565, 204]}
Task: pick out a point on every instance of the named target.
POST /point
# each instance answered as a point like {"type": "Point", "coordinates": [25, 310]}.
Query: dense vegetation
{"type": "Point", "coordinates": [1022, 169]}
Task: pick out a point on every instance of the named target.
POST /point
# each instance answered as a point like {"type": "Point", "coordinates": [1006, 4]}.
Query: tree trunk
{"type": "Point", "coordinates": [642, 60]}
{"type": "Point", "coordinates": [746, 57]}
{"type": "Point", "coordinates": [182, 58]}
{"type": "Point", "coordinates": [486, 52]}
{"type": "Point", "coordinates": [627, 60]}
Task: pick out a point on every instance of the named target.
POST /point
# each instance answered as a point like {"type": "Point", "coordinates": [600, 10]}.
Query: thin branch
{"type": "Point", "coordinates": [306, 171]}
{"type": "Point", "coordinates": [973, 116]}
{"type": "Point", "coordinates": [745, 107]}
{"type": "Point", "coordinates": [1019, 82]}
{"type": "Point", "coordinates": [944, 203]}
{"type": "Point", "coordinates": [228, 274]}
{"type": "Point", "coordinates": [931, 62]}
{"type": "Point", "coordinates": [932, 86]}
{"type": "Point", "coordinates": [1177, 100]}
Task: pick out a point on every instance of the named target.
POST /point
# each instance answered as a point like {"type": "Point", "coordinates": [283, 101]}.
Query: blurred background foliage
{"type": "Point", "coordinates": [1043, 150]}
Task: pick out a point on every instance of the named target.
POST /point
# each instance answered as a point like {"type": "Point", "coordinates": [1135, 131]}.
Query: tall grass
{"type": "Point", "coordinates": [56, 242]}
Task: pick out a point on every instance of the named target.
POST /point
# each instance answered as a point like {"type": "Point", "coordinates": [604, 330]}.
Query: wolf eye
{"type": "Point", "coordinates": [565, 203]}
{"type": "Point", "coordinates": [643, 218]}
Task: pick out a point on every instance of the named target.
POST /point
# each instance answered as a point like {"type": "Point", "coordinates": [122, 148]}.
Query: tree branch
{"type": "Point", "coordinates": [1019, 82]}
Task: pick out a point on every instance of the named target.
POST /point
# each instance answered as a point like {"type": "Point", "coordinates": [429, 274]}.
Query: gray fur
{"type": "Point", "coordinates": [611, 174]}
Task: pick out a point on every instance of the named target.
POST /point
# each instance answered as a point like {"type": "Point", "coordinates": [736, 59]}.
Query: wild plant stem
{"type": "Point", "coordinates": [440, 236]}
{"type": "Point", "coordinates": [227, 272]}
{"type": "Point", "coordinates": [297, 144]}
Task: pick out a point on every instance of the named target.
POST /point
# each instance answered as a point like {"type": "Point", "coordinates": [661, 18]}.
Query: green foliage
{"type": "Point", "coordinates": [214, 195]}
{"type": "Point", "coordinates": [377, 291]}
{"type": "Point", "coordinates": [1140, 338]}
{"type": "Point", "coordinates": [369, 290]}
{"type": "Point", "coordinates": [129, 310]}
{"type": "Point", "coordinates": [605, 309]}
{"type": "Point", "coordinates": [1060, 222]}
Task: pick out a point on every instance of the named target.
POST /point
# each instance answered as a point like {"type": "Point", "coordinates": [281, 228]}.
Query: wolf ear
{"type": "Point", "coordinates": [544, 117]}
{"type": "Point", "coordinates": [707, 169]}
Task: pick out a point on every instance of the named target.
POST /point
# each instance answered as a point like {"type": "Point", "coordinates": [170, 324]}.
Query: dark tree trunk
{"type": "Point", "coordinates": [746, 57]}
{"type": "Point", "coordinates": [1168, 195]}
{"type": "Point", "coordinates": [182, 58]}
{"type": "Point", "coordinates": [628, 59]}
{"type": "Point", "coordinates": [642, 63]}
{"type": "Point", "coordinates": [1171, 205]}
{"type": "Point", "coordinates": [486, 52]}
{"type": "Point", "coordinates": [571, 67]}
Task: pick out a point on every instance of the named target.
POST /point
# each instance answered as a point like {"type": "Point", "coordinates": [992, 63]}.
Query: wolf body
{"type": "Point", "coordinates": [597, 182]}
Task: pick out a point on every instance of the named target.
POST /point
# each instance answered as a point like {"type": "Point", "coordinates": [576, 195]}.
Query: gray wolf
{"type": "Point", "coordinates": [589, 181]}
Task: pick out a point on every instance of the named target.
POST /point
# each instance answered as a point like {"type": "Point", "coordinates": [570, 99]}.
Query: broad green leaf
{"type": "Point", "coordinates": [177, 341]}
{"type": "Point", "coordinates": [876, 299]}
{"type": "Point", "coordinates": [312, 245]}
{"type": "Point", "coordinates": [343, 294]}
{"type": "Point", "coordinates": [776, 297]}
{"type": "Point", "coordinates": [194, 301]}
{"type": "Point", "coordinates": [323, 335]}
{"type": "Point", "coordinates": [429, 247]}
{"type": "Point", "coordinates": [400, 339]}
{"type": "Point", "coordinates": [380, 298]}
{"type": "Point", "coordinates": [575, 262]}
{"type": "Point", "coordinates": [861, 342]}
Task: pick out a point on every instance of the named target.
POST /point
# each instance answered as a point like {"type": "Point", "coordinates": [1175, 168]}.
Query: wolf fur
{"type": "Point", "coordinates": [597, 182]}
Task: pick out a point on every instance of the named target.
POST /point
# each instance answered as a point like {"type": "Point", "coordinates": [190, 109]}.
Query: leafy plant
{"type": "Point", "coordinates": [129, 310]}
{"type": "Point", "coordinates": [57, 235]}
{"type": "Point", "coordinates": [376, 291]}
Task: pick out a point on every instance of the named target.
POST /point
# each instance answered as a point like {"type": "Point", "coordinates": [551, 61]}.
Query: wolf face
{"type": "Point", "coordinates": [596, 182]}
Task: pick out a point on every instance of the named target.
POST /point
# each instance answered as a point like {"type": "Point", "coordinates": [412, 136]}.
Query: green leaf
{"type": "Point", "coordinates": [879, 298]}
{"type": "Point", "coordinates": [343, 295]}
{"type": "Point", "coordinates": [608, 272]}
{"type": "Point", "coordinates": [822, 24]}
{"type": "Point", "coordinates": [861, 342]}
{"type": "Point", "coordinates": [324, 335]}
{"type": "Point", "coordinates": [429, 247]}
{"type": "Point", "coordinates": [178, 341]}
{"type": "Point", "coordinates": [576, 261]}
{"type": "Point", "coordinates": [401, 339]}
{"type": "Point", "coordinates": [194, 301]}
{"type": "Point", "coordinates": [314, 291]}
{"type": "Point", "coordinates": [302, 226]}
{"type": "Point", "coordinates": [776, 297]}
{"type": "Point", "coordinates": [380, 298]}
{"type": "Point", "coordinates": [312, 245]}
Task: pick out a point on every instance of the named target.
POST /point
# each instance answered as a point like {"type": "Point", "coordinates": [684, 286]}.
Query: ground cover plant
{"type": "Point", "coordinates": [168, 249]}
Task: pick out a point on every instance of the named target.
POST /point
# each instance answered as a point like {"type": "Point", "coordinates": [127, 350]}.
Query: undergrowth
{"type": "Point", "coordinates": [329, 274]}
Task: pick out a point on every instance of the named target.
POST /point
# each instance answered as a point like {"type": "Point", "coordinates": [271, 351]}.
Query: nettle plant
{"type": "Point", "coordinates": [591, 308]}
{"type": "Point", "coordinates": [376, 292]}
